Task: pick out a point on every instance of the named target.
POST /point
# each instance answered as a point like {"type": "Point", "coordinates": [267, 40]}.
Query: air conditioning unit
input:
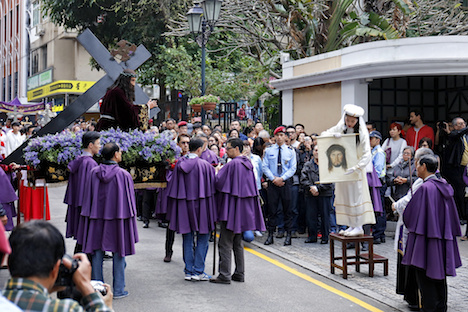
{"type": "Point", "coordinates": [152, 91]}
{"type": "Point", "coordinates": [40, 30]}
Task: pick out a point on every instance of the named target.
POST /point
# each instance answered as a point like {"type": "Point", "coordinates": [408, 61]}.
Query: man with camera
{"type": "Point", "coordinates": [455, 159]}
{"type": "Point", "coordinates": [34, 264]}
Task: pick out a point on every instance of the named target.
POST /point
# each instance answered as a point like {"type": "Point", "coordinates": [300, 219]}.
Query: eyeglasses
{"type": "Point", "coordinates": [406, 153]}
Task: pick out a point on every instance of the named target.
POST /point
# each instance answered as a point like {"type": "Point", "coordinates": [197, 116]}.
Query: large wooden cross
{"type": "Point", "coordinates": [84, 102]}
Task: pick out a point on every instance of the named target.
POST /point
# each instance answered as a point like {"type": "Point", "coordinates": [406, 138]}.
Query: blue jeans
{"type": "Point", "coordinates": [118, 270]}
{"type": "Point", "coordinates": [195, 252]}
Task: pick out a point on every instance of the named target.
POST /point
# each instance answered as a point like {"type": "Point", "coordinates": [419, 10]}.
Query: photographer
{"type": "Point", "coordinates": [455, 159]}
{"type": "Point", "coordinates": [37, 252]}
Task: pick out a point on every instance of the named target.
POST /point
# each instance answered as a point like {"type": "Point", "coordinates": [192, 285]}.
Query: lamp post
{"type": "Point", "coordinates": [202, 20]}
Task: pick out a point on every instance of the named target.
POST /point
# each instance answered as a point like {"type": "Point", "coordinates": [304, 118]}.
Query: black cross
{"type": "Point", "coordinates": [96, 92]}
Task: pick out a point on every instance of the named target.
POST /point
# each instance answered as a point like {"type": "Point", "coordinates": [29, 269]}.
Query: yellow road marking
{"type": "Point", "coordinates": [314, 281]}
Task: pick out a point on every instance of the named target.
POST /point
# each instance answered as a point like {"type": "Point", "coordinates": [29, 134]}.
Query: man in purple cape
{"type": "Point", "coordinates": [432, 221]}
{"type": "Point", "coordinates": [109, 217]}
{"type": "Point", "coordinates": [191, 208]}
{"type": "Point", "coordinates": [238, 210]}
{"type": "Point", "coordinates": [161, 203]}
{"type": "Point", "coordinates": [207, 154]}
{"type": "Point", "coordinates": [79, 175]}
{"type": "Point", "coordinates": [7, 195]}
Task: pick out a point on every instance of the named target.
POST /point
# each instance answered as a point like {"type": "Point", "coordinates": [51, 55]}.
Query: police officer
{"type": "Point", "coordinates": [279, 165]}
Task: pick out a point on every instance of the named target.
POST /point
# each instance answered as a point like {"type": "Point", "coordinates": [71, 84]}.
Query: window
{"type": "Point", "coordinates": [15, 94]}
{"type": "Point", "coordinates": [44, 57]}
{"type": "Point", "coordinates": [8, 91]}
{"type": "Point", "coordinates": [34, 62]}
{"type": "Point", "coordinates": [36, 14]}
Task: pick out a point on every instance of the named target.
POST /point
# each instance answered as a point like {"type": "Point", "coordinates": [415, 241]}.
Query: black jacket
{"type": "Point", "coordinates": [310, 175]}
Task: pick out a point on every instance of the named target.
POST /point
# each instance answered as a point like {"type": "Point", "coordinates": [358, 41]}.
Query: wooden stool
{"type": "Point", "coordinates": [359, 259]}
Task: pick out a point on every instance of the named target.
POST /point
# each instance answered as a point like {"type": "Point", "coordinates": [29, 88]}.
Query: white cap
{"type": "Point", "coordinates": [353, 110]}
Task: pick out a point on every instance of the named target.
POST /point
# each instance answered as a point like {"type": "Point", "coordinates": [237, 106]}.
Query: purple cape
{"type": "Point", "coordinates": [79, 175]}
{"type": "Point", "coordinates": [191, 203]}
{"type": "Point", "coordinates": [108, 213]}
{"type": "Point", "coordinates": [237, 197]}
{"type": "Point", "coordinates": [210, 157]}
{"type": "Point", "coordinates": [375, 185]}
{"type": "Point", "coordinates": [432, 221]}
{"type": "Point", "coordinates": [7, 197]}
{"type": "Point", "coordinates": [161, 201]}
{"type": "Point", "coordinates": [7, 193]}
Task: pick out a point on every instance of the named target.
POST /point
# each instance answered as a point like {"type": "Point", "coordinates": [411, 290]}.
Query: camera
{"type": "Point", "coordinates": [99, 286]}
{"type": "Point", "coordinates": [65, 275]}
{"type": "Point", "coordinates": [442, 125]}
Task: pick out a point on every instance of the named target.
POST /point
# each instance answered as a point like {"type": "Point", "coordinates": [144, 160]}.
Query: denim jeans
{"type": "Point", "coordinates": [118, 270]}
{"type": "Point", "coordinates": [195, 252]}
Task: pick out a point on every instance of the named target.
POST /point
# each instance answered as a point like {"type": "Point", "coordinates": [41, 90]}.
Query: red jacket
{"type": "Point", "coordinates": [413, 137]}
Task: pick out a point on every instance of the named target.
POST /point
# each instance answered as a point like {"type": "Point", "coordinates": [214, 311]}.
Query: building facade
{"type": "Point", "coordinates": [13, 49]}
{"type": "Point", "coordinates": [387, 78]}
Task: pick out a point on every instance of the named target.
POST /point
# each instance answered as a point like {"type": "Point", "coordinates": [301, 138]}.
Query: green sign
{"type": "Point", "coordinates": [39, 80]}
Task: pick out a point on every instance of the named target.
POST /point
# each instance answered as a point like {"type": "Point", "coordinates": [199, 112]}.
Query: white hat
{"type": "Point", "coordinates": [353, 110]}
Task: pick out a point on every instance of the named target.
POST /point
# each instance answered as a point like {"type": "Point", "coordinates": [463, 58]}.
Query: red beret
{"type": "Point", "coordinates": [182, 123]}
{"type": "Point", "coordinates": [279, 129]}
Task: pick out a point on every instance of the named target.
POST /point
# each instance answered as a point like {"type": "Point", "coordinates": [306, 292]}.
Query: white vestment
{"type": "Point", "coordinates": [353, 204]}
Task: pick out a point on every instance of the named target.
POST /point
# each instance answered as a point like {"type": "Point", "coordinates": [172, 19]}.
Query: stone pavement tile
{"type": "Point", "coordinates": [316, 258]}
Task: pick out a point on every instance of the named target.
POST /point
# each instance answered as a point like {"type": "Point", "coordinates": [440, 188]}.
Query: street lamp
{"type": "Point", "coordinates": [201, 22]}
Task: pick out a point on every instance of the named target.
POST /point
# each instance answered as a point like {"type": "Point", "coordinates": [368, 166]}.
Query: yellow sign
{"type": "Point", "coordinates": [60, 87]}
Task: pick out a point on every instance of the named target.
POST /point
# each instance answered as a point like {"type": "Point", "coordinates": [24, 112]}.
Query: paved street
{"type": "Point", "coordinates": [278, 278]}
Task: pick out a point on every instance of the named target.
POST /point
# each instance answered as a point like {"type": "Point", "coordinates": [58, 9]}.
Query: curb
{"type": "Point", "coordinates": [326, 274]}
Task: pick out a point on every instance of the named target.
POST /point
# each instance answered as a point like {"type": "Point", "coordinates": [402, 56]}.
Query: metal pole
{"type": "Point", "coordinates": [203, 65]}
{"type": "Point", "coordinates": [45, 202]}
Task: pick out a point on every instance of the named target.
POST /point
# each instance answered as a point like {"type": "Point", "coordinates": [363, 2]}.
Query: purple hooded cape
{"type": "Point", "coordinates": [161, 201]}
{"type": "Point", "coordinates": [375, 185]}
{"type": "Point", "coordinates": [7, 197]}
{"type": "Point", "coordinates": [210, 157]}
{"type": "Point", "coordinates": [79, 176]}
{"type": "Point", "coordinates": [191, 202]}
{"type": "Point", "coordinates": [432, 221]}
{"type": "Point", "coordinates": [237, 197]}
{"type": "Point", "coordinates": [108, 214]}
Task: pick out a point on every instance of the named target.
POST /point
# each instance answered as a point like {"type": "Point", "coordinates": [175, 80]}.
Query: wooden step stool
{"type": "Point", "coordinates": [367, 258]}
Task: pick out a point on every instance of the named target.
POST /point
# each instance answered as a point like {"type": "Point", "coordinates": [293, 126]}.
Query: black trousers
{"type": "Point", "coordinates": [433, 292]}
{"type": "Point", "coordinates": [170, 235]}
{"type": "Point", "coordinates": [275, 196]}
{"type": "Point", "coordinates": [406, 283]}
{"type": "Point", "coordinates": [149, 204]}
{"type": "Point", "coordinates": [315, 206]}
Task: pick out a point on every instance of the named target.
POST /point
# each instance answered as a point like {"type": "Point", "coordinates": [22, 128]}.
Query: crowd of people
{"type": "Point", "coordinates": [250, 177]}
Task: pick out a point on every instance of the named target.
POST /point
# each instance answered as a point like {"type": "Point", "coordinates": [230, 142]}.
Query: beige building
{"type": "Point", "coordinates": [386, 78]}
{"type": "Point", "coordinates": [59, 65]}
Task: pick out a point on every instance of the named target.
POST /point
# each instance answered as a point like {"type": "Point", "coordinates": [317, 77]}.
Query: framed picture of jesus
{"type": "Point", "coordinates": [336, 156]}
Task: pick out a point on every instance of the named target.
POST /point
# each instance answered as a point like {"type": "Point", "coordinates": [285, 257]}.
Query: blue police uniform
{"type": "Point", "coordinates": [279, 161]}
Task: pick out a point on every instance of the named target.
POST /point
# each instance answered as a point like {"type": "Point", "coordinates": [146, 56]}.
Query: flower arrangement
{"type": "Point", "coordinates": [59, 148]}
{"type": "Point", "coordinates": [204, 99]}
{"type": "Point", "coordinates": [136, 146]}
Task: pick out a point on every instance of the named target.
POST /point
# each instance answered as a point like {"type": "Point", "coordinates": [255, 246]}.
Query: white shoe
{"type": "Point", "coordinates": [201, 277]}
{"type": "Point", "coordinates": [258, 233]}
{"type": "Point", "coordinates": [343, 232]}
{"type": "Point", "coordinates": [358, 231]}
{"type": "Point", "coordinates": [188, 277]}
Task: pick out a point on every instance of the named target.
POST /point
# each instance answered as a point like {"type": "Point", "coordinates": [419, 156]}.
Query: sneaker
{"type": "Point", "coordinates": [188, 277]}
{"type": "Point", "coordinates": [258, 233]}
{"type": "Point", "coordinates": [201, 277]}
{"type": "Point", "coordinates": [123, 295]}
